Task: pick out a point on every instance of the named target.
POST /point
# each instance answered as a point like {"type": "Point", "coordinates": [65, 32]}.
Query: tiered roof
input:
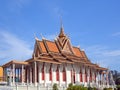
{"type": "Point", "coordinates": [58, 51]}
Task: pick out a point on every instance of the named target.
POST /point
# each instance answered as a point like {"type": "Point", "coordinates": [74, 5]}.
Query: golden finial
{"type": "Point", "coordinates": [61, 29]}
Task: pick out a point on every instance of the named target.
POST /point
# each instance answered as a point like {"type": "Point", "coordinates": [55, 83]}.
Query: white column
{"type": "Point", "coordinates": [66, 75]}
{"type": "Point", "coordinates": [60, 76]}
{"type": "Point", "coordinates": [39, 72]}
{"type": "Point", "coordinates": [78, 74]}
{"type": "Point", "coordinates": [35, 72]}
{"type": "Point", "coordinates": [103, 79]}
{"type": "Point", "coordinates": [107, 79]}
{"type": "Point", "coordinates": [99, 78]}
{"type": "Point", "coordinates": [30, 75]}
{"type": "Point", "coordinates": [72, 74]}
{"type": "Point", "coordinates": [18, 75]}
{"type": "Point", "coordinates": [83, 74]}
{"type": "Point", "coordinates": [54, 67]}
{"type": "Point", "coordinates": [10, 75]}
{"type": "Point", "coordinates": [93, 77]}
{"type": "Point", "coordinates": [52, 73]}
{"type": "Point", "coordinates": [88, 77]}
{"type": "Point", "coordinates": [22, 72]}
{"type": "Point", "coordinates": [45, 74]}
{"type": "Point", "coordinates": [13, 74]}
{"type": "Point", "coordinates": [27, 70]}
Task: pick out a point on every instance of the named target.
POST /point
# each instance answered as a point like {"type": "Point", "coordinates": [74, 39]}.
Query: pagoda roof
{"type": "Point", "coordinates": [58, 51]}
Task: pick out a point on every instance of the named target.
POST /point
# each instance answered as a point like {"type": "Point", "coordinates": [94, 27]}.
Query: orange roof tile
{"type": "Point", "coordinates": [52, 46]}
{"type": "Point", "coordinates": [42, 47]}
{"type": "Point", "coordinates": [83, 54]}
{"type": "Point", "coordinates": [77, 51]}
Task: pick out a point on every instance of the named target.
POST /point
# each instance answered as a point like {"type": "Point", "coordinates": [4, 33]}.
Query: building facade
{"type": "Point", "coordinates": [56, 62]}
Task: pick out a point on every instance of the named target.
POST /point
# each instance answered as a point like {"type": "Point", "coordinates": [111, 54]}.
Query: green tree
{"type": "Point", "coordinates": [55, 87]}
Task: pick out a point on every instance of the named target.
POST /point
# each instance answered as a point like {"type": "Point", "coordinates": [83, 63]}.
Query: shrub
{"type": "Point", "coordinates": [109, 88]}
{"type": "Point", "coordinates": [89, 88]}
{"type": "Point", "coordinates": [94, 88]}
{"type": "Point", "coordinates": [84, 88]}
{"type": "Point", "coordinates": [105, 89]}
{"type": "Point", "coordinates": [70, 85]}
{"type": "Point", "coordinates": [118, 87]}
{"type": "Point", "coordinates": [55, 87]}
{"type": "Point", "coordinates": [76, 87]}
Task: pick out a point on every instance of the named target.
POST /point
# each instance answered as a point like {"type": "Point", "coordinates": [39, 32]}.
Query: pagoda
{"type": "Point", "coordinates": [58, 62]}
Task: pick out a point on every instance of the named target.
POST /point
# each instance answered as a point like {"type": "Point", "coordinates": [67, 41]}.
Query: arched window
{"type": "Point", "coordinates": [43, 73]}
{"type": "Point", "coordinates": [57, 74]}
{"type": "Point", "coordinates": [50, 73]}
{"type": "Point", "coordinates": [64, 74]}
{"type": "Point", "coordinates": [81, 79]}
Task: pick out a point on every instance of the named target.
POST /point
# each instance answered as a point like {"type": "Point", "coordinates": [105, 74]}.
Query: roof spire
{"type": "Point", "coordinates": [61, 29]}
{"type": "Point", "coordinates": [61, 22]}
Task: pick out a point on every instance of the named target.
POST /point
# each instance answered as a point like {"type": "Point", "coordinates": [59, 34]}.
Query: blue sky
{"type": "Point", "coordinates": [94, 25]}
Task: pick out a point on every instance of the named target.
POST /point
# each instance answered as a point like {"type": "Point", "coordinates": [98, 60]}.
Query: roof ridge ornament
{"type": "Point", "coordinates": [42, 36]}
{"type": "Point", "coordinates": [62, 34]}
{"type": "Point", "coordinates": [35, 37]}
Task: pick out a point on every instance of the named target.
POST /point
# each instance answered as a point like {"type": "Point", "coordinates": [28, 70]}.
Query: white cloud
{"type": "Point", "coordinates": [116, 34]}
{"type": "Point", "coordinates": [102, 50]}
{"type": "Point", "coordinates": [11, 47]}
{"type": "Point", "coordinates": [103, 55]}
{"type": "Point", "coordinates": [112, 53]}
